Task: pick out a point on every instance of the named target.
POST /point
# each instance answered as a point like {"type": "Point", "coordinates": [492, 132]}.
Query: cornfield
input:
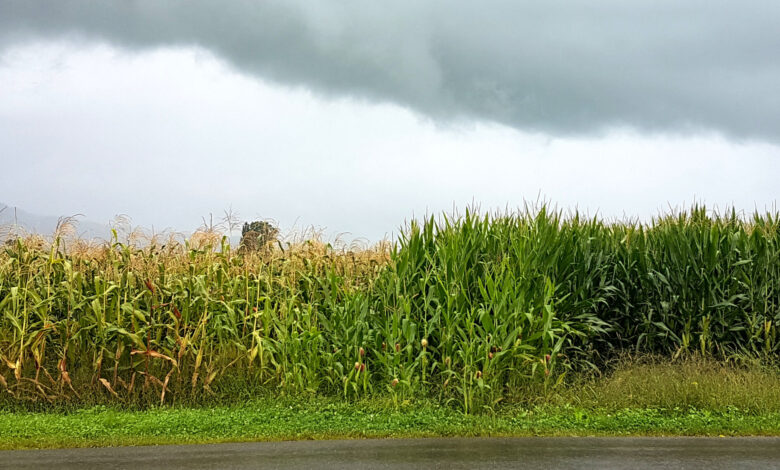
{"type": "Point", "coordinates": [465, 309]}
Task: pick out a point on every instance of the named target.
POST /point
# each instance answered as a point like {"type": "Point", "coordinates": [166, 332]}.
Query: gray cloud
{"type": "Point", "coordinates": [573, 67]}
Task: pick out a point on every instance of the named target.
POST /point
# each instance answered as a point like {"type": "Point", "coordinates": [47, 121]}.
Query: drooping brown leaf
{"type": "Point", "coordinates": [153, 353]}
{"type": "Point", "coordinates": [66, 378]}
{"type": "Point", "coordinates": [210, 378]}
{"type": "Point", "coordinates": [152, 378]}
{"type": "Point", "coordinates": [108, 386]}
{"type": "Point", "coordinates": [165, 385]}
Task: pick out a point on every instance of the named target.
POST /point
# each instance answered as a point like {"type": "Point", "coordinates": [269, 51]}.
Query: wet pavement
{"type": "Point", "coordinates": [494, 453]}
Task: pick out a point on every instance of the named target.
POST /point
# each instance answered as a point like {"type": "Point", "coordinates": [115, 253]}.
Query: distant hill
{"type": "Point", "coordinates": [45, 224]}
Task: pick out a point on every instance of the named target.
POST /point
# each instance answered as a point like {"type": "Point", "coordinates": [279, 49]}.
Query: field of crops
{"type": "Point", "coordinates": [467, 310]}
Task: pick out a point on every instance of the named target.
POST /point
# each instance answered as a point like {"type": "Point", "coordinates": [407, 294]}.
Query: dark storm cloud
{"type": "Point", "coordinates": [562, 67]}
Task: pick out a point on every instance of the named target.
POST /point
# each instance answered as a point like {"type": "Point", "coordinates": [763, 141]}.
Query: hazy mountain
{"type": "Point", "coordinates": [45, 224]}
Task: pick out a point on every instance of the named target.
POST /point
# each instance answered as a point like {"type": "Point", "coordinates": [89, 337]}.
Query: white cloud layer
{"type": "Point", "coordinates": [171, 134]}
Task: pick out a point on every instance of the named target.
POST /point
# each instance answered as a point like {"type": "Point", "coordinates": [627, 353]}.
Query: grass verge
{"type": "Point", "coordinates": [640, 396]}
{"type": "Point", "coordinates": [266, 420]}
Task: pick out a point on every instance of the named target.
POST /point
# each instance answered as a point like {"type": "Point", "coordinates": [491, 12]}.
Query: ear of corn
{"type": "Point", "coordinates": [464, 309]}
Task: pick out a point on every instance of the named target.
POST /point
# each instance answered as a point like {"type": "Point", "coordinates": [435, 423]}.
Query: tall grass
{"type": "Point", "coordinates": [463, 309]}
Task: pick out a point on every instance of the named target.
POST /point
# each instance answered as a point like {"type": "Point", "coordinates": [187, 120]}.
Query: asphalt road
{"type": "Point", "coordinates": [535, 453]}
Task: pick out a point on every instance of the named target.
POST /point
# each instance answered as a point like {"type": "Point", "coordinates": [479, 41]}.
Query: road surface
{"type": "Point", "coordinates": [534, 453]}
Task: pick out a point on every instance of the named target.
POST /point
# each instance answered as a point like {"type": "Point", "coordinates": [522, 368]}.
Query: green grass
{"type": "Point", "coordinates": [707, 386]}
{"type": "Point", "coordinates": [266, 420]}
{"type": "Point", "coordinates": [692, 382]}
{"type": "Point", "coordinates": [646, 396]}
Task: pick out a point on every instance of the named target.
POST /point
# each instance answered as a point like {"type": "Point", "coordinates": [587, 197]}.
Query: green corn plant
{"type": "Point", "coordinates": [463, 308]}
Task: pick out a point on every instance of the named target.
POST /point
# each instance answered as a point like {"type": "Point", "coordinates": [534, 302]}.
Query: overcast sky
{"type": "Point", "coordinates": [355, 115]}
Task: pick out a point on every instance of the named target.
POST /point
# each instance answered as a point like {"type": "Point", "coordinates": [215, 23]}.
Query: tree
{"type": "Point", "coordinates": [257, 235]}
